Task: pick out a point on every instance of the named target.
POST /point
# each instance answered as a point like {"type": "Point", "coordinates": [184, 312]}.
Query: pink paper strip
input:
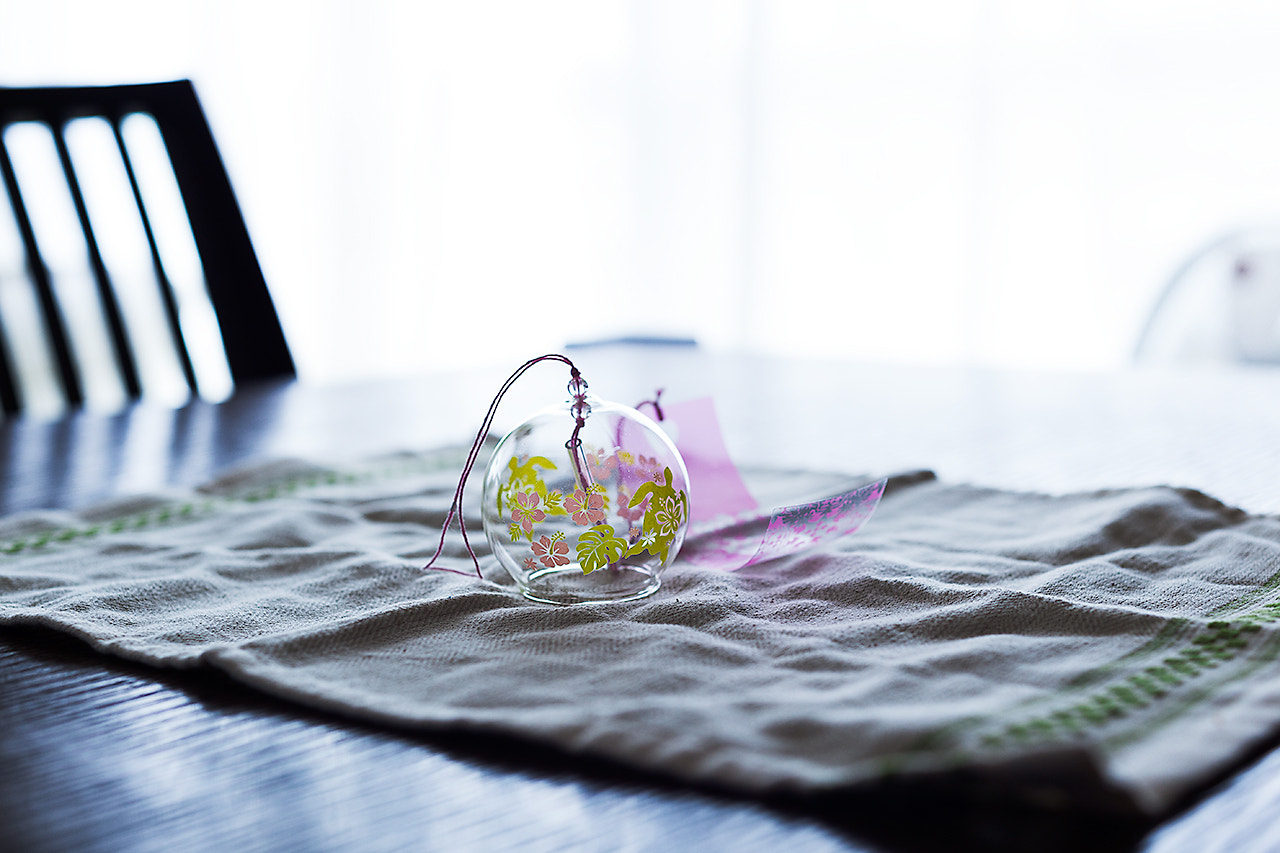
{"type": "Point", "coordinates": [791, 530]}
{"type": "Point", "coordinates": [716, 487]}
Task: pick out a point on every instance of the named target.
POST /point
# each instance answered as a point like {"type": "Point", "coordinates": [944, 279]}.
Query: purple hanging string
{"type": "Point", "coordinates": [579, 409]}
{"type": "Point", "coordinates": [656, 403]}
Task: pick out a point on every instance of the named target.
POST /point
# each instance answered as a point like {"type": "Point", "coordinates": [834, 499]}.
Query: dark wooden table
{"type": "Point", "coordinates": [101, 754]}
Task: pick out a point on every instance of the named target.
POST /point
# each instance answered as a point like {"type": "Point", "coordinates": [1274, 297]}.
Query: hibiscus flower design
{"type": "Point", "coordinates": [586, 509]}
{"type": "Point", "coordinates": [552, 552]}
{"type": "Point", "coordinates": [628, 512]}
{"type": "Point", "coordinates": [668, 516]}
{"type": "Point", "coordinates": [601, 465]}
{"type": "Point", "coordinates": [528, 511]}
{"type": "Point", "coordinates": [650, 466]}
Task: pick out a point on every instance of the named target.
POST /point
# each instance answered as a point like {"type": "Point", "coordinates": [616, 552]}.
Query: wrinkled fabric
{"type": "Point", "coordinates": [1127, 632]}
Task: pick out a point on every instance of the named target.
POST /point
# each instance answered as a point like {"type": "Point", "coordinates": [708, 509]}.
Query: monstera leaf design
{"type": "Point", "coordinates": [598, 547]}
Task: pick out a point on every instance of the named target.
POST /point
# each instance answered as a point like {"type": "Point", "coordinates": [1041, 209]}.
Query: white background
{"type": "Point", "coordinates": [432, 184]}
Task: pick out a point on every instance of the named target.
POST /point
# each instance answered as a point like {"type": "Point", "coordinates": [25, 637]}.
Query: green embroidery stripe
{"type": "Point", "coordinates": [1264, 655]}
{"type": "Point", "coordinates": [1263, 591]}
{"type": "Point", "coordinates": [1221, 642]}
{"type": "Point", "coordinates": [1156, 685]}
{"type": "Point", "coordinates": [949, 740]}
{"type": "Point", "coordinates": [1151, 694]}
{"type": "Point", "coordinates": [192, 509]}
{"type": "Point", "coordinates": [1175, 631]}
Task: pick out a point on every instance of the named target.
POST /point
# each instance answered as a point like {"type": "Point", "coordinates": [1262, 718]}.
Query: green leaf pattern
{"type": "Point", "coordinates": [598, 547]}
{"type": "Point", "coordinates": [656, 503]}
{"type": "Point", "coordinates": [524, 475]}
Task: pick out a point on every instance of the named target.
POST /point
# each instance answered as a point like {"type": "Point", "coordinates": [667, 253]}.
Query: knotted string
{"type": "Point", "coordinates": [579, 409]}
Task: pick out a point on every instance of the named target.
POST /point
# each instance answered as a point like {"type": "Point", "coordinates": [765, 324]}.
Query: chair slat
{"type": "Point", "coordinates": [165, 286]}
{"type": "Point", "coordinates": [10, 400]}
{"type": "Point", "coordinates": [51, 314]}
{"type": "Point", "coordinates": [126, 364]}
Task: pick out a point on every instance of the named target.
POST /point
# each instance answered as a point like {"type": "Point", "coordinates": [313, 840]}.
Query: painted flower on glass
{"type": "Point", "coordinates": [586, 509]}
{"type": "Point", "coordinates": [646, 542]}
{"type": "Point", "coordinates": [650, 466]}
{"type": "Point", "coordinates": [528, 511]}
{"type": "Point", "coordinates": [552, 551]}
{"type": "Point", "coordinates": [601, 465]}
{"type": "Point", "coordinates": [668, 515]}
{"type": "Point", "coordinates": [632, 514]}
{"type": "Point", "coordinates": [530, 564]}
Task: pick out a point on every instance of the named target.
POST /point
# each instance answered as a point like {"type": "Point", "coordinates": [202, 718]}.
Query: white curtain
{"type": "Point", "coordinates": [437, 183]}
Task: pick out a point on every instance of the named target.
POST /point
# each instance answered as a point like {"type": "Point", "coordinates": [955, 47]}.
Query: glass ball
{"type": "Point", "coordinates": [598, 521]}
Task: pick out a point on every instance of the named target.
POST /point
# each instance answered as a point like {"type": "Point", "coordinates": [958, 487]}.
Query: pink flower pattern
{"type": "Point", "coordinates": [650, 467]}
{"type": "Point", "coordinates": [601, 465]}
{"type": "Point", "coordinates": [552, 552]}
{"type": "Point", "coordinates": [792, 530]}
{"type": "Point", "coordinates": [627, 512]}
{"type": "Point", "coordinates": [586, 509]}
{"type": "Point", "coordinates": [528, 511]}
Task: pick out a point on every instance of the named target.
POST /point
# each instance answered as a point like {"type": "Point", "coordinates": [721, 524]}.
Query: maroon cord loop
{"type": "Point", "coordinates": [655, 402]}
{"type": "Point", "coordinates": [577, 387]}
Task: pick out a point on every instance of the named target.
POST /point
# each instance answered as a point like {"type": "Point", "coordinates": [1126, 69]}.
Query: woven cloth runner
{"type": "Point", "coordinates": [1122, 638]}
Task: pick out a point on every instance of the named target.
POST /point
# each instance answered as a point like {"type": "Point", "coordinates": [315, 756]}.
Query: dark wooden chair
{"type": "Point", "coordinates": [252, 338]}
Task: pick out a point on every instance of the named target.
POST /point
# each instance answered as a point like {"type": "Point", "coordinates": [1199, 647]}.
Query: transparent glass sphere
{"type": "Point", "coordinates": [598, 524]}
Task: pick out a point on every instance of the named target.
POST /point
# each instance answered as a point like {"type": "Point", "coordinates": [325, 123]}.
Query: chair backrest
{"type": "Point", "coordinates": [251, 335]}
{"type": "Point", "coordinates": [1221, 306]}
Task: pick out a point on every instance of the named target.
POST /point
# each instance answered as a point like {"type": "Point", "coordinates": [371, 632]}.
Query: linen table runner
{"type": "Point", "coordinates": [1122, 637]}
